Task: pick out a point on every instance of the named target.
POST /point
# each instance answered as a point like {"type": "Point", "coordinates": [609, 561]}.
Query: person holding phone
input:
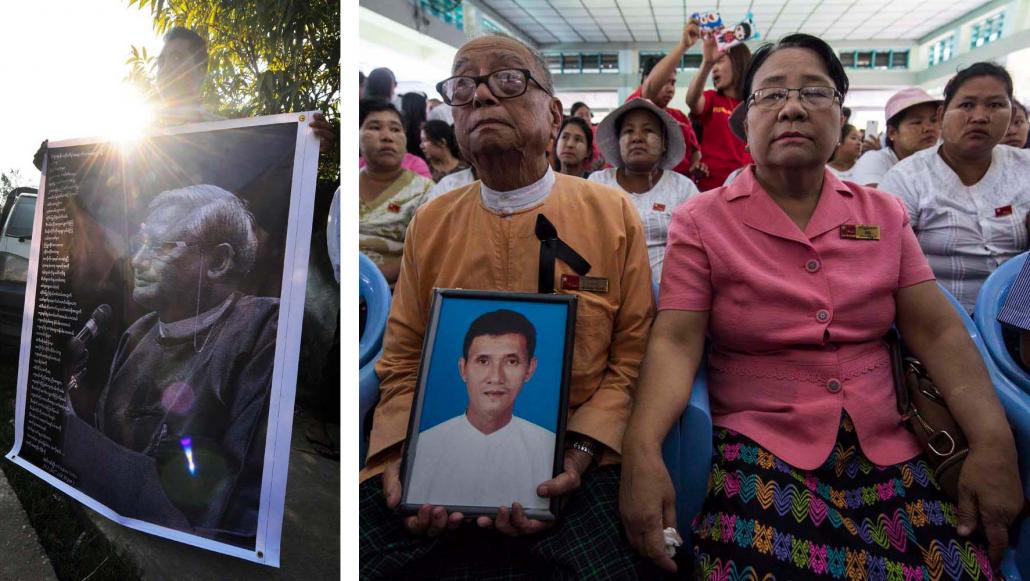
{"type": "Point", "coordinates": [912, 126]}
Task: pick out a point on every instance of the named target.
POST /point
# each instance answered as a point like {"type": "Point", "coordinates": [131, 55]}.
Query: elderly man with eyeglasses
{"type": "Point", "coordinates": [488, 235]}
{"type": "Point", "coordinates": [179, 430]}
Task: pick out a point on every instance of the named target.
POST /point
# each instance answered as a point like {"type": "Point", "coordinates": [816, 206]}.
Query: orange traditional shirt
{"type": "Point", "coordinates": [456, 242]}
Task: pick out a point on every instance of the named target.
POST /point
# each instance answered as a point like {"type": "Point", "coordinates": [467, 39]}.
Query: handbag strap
{"type": "Point", "coordinates": [893, 340]}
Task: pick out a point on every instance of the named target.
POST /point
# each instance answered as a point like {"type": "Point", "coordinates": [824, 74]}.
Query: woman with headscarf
{"type": "Point", "coordinates": [967, 198]}
{"type": "Point", "coordinates": [644, 142]}
{"type": "Point", "coordinates": [795, 277]}
{"type": "Point", "coordinates": [574, 148]}
{"type": "Point", "coordinates": [388, 193]}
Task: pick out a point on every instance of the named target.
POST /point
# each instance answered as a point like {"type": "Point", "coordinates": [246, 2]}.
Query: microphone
{"type": "Point", "coordinates": [99, 319]}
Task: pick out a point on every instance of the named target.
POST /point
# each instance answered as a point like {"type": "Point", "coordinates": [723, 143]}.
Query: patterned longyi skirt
{"type": "Point", "coordinates": [848, 519]}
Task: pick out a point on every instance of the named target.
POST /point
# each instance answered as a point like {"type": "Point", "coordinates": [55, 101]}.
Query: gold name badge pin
{"type": "Point", "coordinates": [860, 232]}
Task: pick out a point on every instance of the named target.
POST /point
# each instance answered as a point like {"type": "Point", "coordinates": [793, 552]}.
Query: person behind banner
{"type": "Point", "coordinates": [186, 403]}
{"type": "Point", "coordinates": [497, 361]}
{"type": "Point", "coordinates": [181, 72]}
{"type": "Point", "coordinates": [487, 235]}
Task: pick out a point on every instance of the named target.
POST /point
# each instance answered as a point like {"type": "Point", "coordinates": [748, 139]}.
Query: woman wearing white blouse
{"type": "Point", "coordinates": [967, 198]}
{"type": "Point", "coordinates": [644, 143]}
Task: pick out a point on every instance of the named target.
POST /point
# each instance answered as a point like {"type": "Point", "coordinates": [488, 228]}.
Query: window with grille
{"type": "Point", "coordinates": [449, 12]}
{"type": "Point", "coordinates": [874, 59]}
{"type": "Point", "coordinates": [580, 62]}
{"type": "Point", "coordinates": [987, 30]}
{"type": "Point", "coordinates": [687, 61]}
{"type": "Point", "coordinates": [942, 50]}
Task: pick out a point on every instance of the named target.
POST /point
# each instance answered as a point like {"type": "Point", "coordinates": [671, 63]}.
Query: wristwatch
{"type": "Point", "coordinates": [588, 446]}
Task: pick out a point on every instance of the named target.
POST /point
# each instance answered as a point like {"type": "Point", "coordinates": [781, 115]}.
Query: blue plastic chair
{"type": "Point", "coordinates": [687, 449]}
{"type": "Point", "coordinates": [368, 395]}
{"type": "Point", "coordinates": [376, 292]}
{"type": "Point", "coordinates": [1016, 403]}
{"type": "Point", "coordinates": [988, 304]}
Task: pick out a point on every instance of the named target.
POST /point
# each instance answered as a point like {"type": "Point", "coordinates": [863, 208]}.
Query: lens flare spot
{"type": "Point", "coordinates": [178, 398]}
{"type": "Point", "coordinates": [188, 449]}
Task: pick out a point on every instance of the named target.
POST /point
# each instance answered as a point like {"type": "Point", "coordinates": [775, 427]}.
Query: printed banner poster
{"type": "Point", "coordinates": [162, 328]}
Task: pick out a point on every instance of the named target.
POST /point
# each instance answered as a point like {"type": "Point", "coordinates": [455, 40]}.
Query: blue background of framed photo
{"type": "Point", "coordinates": [446, 395]}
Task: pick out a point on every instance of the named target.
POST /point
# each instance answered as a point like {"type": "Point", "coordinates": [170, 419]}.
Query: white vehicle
{"type": "Point", "coordinates": [16, 216]}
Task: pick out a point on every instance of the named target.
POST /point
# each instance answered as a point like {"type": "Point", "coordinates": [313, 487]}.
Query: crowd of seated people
{"type": "Point", "coordinates": [739, 208]}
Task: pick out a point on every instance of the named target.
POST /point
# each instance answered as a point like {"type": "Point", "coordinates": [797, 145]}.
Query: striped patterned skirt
{"type": "Point", "coordinates": [848, 519]}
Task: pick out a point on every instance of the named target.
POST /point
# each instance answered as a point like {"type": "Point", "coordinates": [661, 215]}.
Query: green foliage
{"type": "Point", "coordinates": [9, 180]}
{"type": "Point", "coordinates": [265, 56]}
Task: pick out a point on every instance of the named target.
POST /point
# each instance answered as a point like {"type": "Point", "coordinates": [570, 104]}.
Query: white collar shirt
{"type": "Point", "coordinates": [966, 232]}
{"type": "Point", "coordinates": [871, 167]}
{"type": "Point", "coordinates": [457, 465]}
{"type": "Point", "coordinates": [524, 198]}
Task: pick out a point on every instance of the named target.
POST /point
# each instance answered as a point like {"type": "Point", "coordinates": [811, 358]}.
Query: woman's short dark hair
{"type": "Point", "coordinates": [369, 106]}
{"type": "Point", "coordinates": [577, 106]}
{"type": "Point", "coordinates": [981, 69]}
{"type": "Point", "coordinates": [799, 40]}
{"type": "Point", "coordinates": [441, 132]}
{"type": "Point", "coordinates": [380, 83]}
{"type": "Point", "coordinates": [584, 127]}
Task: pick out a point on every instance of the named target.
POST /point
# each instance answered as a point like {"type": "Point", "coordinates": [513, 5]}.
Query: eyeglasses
{"type": "Point", "coordinates": [160, 249]}
{"type": "Point", "coordinates": [459, 90]}
{"type": "Point", "coordinates": [814, 98]}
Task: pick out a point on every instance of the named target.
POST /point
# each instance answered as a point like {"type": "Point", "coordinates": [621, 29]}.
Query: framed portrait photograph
{"type": "Point", "coordinates": [488, 420]}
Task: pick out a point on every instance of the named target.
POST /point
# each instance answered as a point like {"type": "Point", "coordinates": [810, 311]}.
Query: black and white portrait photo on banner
{"type": "Point", "coordinates": [490, 408]}
{"type": "Point", "coordinates": [162, 328]}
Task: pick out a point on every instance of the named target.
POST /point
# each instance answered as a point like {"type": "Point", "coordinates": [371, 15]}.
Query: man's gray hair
{"type": "Point", "coordinates": [213, 216]}
{"type": "Point", "coordinates": [538, 59]}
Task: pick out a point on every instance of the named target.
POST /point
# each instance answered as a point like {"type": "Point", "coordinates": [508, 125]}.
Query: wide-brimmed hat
{"type": "Point", "coordinates": [608, 138]}
{"type": "Point", "coordinates": [905, 99]}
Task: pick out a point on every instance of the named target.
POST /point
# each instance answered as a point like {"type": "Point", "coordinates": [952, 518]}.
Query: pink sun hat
{"type": "Point", "coordinates": [906, 98]}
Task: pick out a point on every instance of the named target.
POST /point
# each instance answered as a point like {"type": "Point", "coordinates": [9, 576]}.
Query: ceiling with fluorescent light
{"type": "Point", "coordinates": [550, 22]}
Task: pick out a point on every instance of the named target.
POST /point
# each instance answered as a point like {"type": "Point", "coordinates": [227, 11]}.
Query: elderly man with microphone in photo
{"type": "Point", "coordinates": [181, 422]}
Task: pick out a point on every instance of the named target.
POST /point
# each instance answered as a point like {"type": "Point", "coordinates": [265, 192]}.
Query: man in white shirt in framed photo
{"type": "Point", "coordinates": [487, 456]}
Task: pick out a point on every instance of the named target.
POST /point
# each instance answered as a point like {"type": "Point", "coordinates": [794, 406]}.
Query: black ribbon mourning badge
{"type": "Point", "coordinates": [552, 248]}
